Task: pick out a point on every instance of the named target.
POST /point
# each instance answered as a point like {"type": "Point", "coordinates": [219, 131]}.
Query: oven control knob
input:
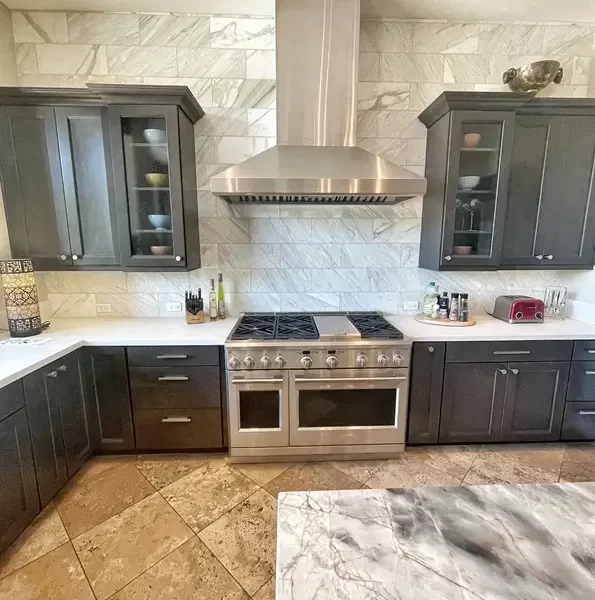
{"type": "Point", "coordinates": [397, 360]}
{"type": "Point", "coordinates": [249, 362]}
{"type": "Point", "coordinates": [306, 362]}
{"type": "Point", "coordinates": [332, 362]}
{"type": "Point", "coordinates": [234, 362]}
{"type": "Point", "coordinates": [383, 360]}
{"type": "Point", "coordinates": [280, 362]}
{"type": "Point", "coordinates": [266, 362]}
{"type": "Point", "coordinates": [361, 361]}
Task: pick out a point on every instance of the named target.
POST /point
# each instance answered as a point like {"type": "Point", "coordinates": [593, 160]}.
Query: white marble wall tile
{"type": "Point", "coordinates": [565, 91]}
{"type": "Point", "coordinates": [387, 302]}
{"type": "Point", "coordinates": [412, 208]}
{"type": "Point", "coordinates": [311, 301]}
{"type": "Point", "coordinates": [129, 305]}
{"type": "Point", "coordinates": [470, 68]}
{"type": "Point", "coordinates": [244, 93]}
{"type": "Point", "coordinates": [71, 282]}
{"type": "Point", "coordinates": [164, 299]}
{"type": "Point", "coordinates": [142, 60]}
{"type": "Point", "coordinates": [255, 122]}
{"type": "Point", "coordinates": [383, 96]}
{"type": "Point", "coordinates": [208, 204]}
{"type": "Point", "coordinates": [369, 66]}
{"type": "Point", "coordinates": [103, 28]}
{"type": "Point", "coordinates": [255, 256]}
{"type": "Point", "coordinates": [82, 80]}
{"type": "Point", "coordinates": [218, 121]}
{"type": "Point", "coordinates": [510, 38]}
{"type": "Point", "coordinates": [342, 231]}
{"type": "Point", "coordinates": [340, 280]}
{"type": "Point", "coordinates": [397, 230]}
{"type": "Point", "coordinates": [39, 27]}
{"type": "Point", "coordinates": [232, 150]}
{"type": "Point", "coordinates": [570, 40]}
{"type": "Point", "coordinates": [411, 297]}
{"type": "Point", "coordinates": [457, 38]}
{"type": "Point", "coordinates": [204, 172]}
{"type": "Point", "coordinates": [396, 280]}
{"type": "Point", "coordinates": [423, 94]}
{"type": "Point", "coordinates": [322, 211]}
{"type": "Point", "coordinates": [26, 57]}
{"type": "Point", "coordinates": [370, 255]}
{"type": "Point", "coordinates": [409, 255]}
{"type": "Point", "coordinates": [261, 64]}
{"type": "Point", "coordinates": [386, 36]}
{"type": "Point", "coordinates": [416, 152]}
{"type": "Point", "coordinates": [248, 211]}
{"type": "Point", "coordinates": [394, 150]}
{"type": "Point", "coordinates": [72, 305]}
{"type": "Point", "coordinates": [44, 80]}
{"type": "Point", "coordinates": [281, 231]}
{"type": "Point", "coordinates": [200, 88]}
{"type": "Point", "coordinates": [310, 256]}
{"type": "Point", "coordinates": [248, 34]}
{"type": "Point", "coordinates": [412, 67]}
{"type": "Point", "coordinates": [158, 283]}
{"type": "Point", "coordinates": [209, 255]}
{"type": "Point", "coordinates": [205, 149]}
{"type": "Point", "coordinates": [219, 230]}
{"type": "Point", "coordinates": [239, 303]}
{"type": "Point", "coordinates": [280, 280]}
{"type": "Point", "coordinates": [367, 123]}
{"type": "Point", "coordinates": [581, 70]}
{"type": "Point", "coordinates": [174, 30]}
{"type": "Point", "coordinates": [71, 59]}
{"type": "Point", "coordinates": [400, 124]}
{"type": "Point", "coordinates": [372, 211]}
{"type": "Point", "coordinates": [211, 62]}
{"type": "Point", "coordinates": [234, 280]}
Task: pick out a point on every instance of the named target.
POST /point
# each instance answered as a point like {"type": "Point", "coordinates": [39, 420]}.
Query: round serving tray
{"type": "Point", "coordinates": [444, 322]}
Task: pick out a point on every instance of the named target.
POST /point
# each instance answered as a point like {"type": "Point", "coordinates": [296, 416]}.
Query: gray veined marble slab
{"type": "Point", "coordinates": [494, 542]}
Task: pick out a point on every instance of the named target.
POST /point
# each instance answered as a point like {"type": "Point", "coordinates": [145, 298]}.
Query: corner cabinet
{"type": "Point", "coordinates": [509, 182]}
{"type": "Point", "coordinates": [102, 177]}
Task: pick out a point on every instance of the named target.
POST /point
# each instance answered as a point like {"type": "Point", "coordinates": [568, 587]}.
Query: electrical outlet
{"type": "Point", "coordinates": [174, 307]}
{"type": "Point", "coordinates": [412, 305]}
{"type": "Point", "coordinates": [104, 308]}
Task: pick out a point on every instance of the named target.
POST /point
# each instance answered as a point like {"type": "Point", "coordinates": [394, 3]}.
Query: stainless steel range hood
{"type": "Point", "coordinates": [316, 159]}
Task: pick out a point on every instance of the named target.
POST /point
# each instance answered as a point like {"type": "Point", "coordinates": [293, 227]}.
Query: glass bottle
{"type": "Point", "coordinates": [464, 308]}
{"type": "Point", "coordinates": [430, 298]}
{"type": "Point", "coordinates": [213, 302]}
{"type": "Point", "coordinates": [221, 298]}
{"type": "Point", "coordinates": [453, 315]}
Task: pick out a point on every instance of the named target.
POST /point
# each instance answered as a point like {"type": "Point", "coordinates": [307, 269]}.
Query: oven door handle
{"type": "Point", "coordinates": [273, 380]}
{"type": "Point", "coordinates": [331, 379]}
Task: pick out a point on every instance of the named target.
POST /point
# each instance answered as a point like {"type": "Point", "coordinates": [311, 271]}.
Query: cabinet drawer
{"type": "Point", "coordinates": [11, 399]}
{"type": "Point", "coordinates": [175, 387]}
{"type": "Point", "coordinates": [581, 387]}
{"type": "Point", "coordinates": [158, 356]}
{"type": "Point", "coordinates": [514, 350]}
{"type": "Point", "coordinates": [584, 350]}
{"type": "Point", "coordinates": [579, 421]}
{"type": "Point", "coordinates": [185, 429]}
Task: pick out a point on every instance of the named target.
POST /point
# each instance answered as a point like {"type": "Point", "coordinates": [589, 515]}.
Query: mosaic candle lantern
{"type": "Point", "coordinates": [20, 295]}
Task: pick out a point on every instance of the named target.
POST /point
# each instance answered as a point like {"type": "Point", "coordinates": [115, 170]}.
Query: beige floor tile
{"type": "Point", "coordinates": [89, 501]}
{"type": "Point", "coordinates": [161, 470]}
{"type": "Point", "coordinates": [401, 472]}
{"type": "Point", "coordinates": [190, 572]}
{"type": "Point", "coordinates": [452, 460]}
{"type": "Point", "coordinates": [267, 591]}
{"type": "Point", "coordinates": [121, 548]}
{"type": "Point", "coordinates": [208, 493]}
{"type": "Point", "coordinates": [44, 534]}
{"type": "Point", "coordinates": [578, 464]}
{"type": "Point", "coordinates": [264, 472]}
{"type": "Point", "coordinates": [98, 465]}
{"type": "Point", "coordinates": [361, 470]}
{"type": "Point", "coordinates": [541, 456]}
{"type": "Point", "coordinates": [498, 467]}
{"type": "Point", "coordinates": [244, 540]}
{"type": "Point", "coordinates": [55, 576]}
{"type": "Point", "coordinates": [311, 476]}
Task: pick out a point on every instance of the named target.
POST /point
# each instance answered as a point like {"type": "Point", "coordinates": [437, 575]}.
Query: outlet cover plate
{"type": "Point", "coordinates": [412, 305]}
{"type": "Point", "coordinates": [174, 307]}
{"type": "Point", "coordinates": [104, 308]}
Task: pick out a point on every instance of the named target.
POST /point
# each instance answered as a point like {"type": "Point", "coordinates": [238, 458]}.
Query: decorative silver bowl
{"type": "Point", "coordinates": [535, 76]}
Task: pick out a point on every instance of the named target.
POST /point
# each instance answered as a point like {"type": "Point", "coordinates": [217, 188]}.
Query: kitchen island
{"type": "Point", "coordinates": [494, 542]}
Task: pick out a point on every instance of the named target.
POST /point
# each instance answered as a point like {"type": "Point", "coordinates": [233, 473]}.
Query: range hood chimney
{"type": "Point", "coordinates": [316, 160]}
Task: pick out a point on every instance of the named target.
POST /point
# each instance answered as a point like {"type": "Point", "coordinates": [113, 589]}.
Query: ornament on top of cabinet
{"type": "Point", "coordinates": [534, 76]}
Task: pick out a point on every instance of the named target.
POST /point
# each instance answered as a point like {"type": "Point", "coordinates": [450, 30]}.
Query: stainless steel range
{"type": "Point", "coordinates": [327, 384]}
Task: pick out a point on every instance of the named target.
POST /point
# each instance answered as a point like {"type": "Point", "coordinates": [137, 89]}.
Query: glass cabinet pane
{"type": "Point", "coordinates": [146, 160]}
{"type": "Point", "coordinates": [260, 409]}
{"type": "Point", "coordinates": [479, 148]}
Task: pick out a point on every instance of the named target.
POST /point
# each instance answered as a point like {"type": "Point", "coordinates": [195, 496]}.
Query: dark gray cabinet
{"type": "Point", "coordinates": [425, 398]}
{"type": "Point", "coordinates": [109, 399]}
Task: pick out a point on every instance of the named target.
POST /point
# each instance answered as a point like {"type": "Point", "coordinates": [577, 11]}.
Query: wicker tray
{"type": "Point", "coordinates": [444, 322]}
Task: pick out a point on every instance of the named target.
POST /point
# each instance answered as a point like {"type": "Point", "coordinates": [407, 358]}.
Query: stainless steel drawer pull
{"type": "Point", "coordinates": [172, 356]}
{"type": "Point", "coordinates": [62, 368]}
{"type": "Point", "coordinates": [174, 378]}
{"type": "Point", "coordinates": [52, 374]}
{"type": "Point", "coordinates": [514, 371]}
{"type": "Point", "coordinates": [501, 352]}
{"type": "Point", "coordinates": [503, 371]}
{"type": "Point", "coordinates": [589, 372]}
{"type": "Point", "coordinates": [176, 420]}
{"type": "Point", "coordinates": [349, 379]}
{"type": "Point", "coordinates": [586, 412]}
{"type": "Point", "coordinates": [590, 351]}
{"type": "Point", "coordinates": [272, 380]}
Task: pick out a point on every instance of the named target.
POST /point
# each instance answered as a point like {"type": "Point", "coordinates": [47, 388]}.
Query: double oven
{"type": "Point", "coordinates": [308, 403]}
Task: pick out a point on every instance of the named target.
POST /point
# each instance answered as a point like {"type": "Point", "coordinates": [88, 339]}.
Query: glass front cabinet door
{"type": "Point", "coordinates": [476, 187]}
{"type": "Point", "coordinates": [156, 198]}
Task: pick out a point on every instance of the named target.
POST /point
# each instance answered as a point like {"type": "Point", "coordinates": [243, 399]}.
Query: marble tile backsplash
{"type": "Point", "coordinates": [294, 257]}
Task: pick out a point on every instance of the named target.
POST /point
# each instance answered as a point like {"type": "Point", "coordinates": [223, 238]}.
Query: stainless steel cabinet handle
{"type": "Point", "coordinates": [431, 349]}
{"type": "Point", "coordinates": [176, 420]}
{"type": "Point", "coordinates": [586, 412]}
{"type": "Point", "coordinates": [75, 257]}
{"type": "Point", "coordinates": [538, 256]}
{"type": "Point", "coordinates": [325, 379]}
{"type": "Point", "coordinates": [550, 257]}
{"type": "Point", "coordinates": [448, 257]}
{"type": "Point", "coordinates": [172, 356]}
{"type": "Point", "coordinates": [174, 378]}
{"type": "Point", "coordinates": [272, 380]}
{"type": "Point", "coordinates": [501, 352]}
{"type": "Point", "coordinates": [63, 257]}
{"type": "Point", "coordinates": [514, 371]}
{"type": "Point", "coordinates": [589, 372]}
{"type": "Point", "coordinates": [62, 368]}
{"type": "Point", "coordinates": [503, 371]}
{"type": "Point", "coordinates": [178, 258]}
{"type": "Point", "coordinates": [590, 351]}
{"type": "Point", "coordinates": [52, 374]}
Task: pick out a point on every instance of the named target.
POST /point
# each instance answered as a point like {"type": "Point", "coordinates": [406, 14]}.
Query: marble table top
{"type": "Point", "coordinates": [492, 542]}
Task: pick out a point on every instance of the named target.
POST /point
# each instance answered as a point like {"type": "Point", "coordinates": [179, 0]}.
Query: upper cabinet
{"type": "Point", "coordinates": [509, 182]}
{"type": "Point", "coordinates": [101, 178]}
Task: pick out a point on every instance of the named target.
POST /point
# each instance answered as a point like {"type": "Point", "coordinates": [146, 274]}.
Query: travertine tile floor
{"type": "Point", "coordinates": [195, 527]}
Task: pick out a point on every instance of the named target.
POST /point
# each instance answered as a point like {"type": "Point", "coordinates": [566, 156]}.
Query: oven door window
{"type": "Point", "coordinates": [260, 409]}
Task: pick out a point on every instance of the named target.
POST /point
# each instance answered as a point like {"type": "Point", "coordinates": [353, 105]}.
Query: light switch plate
{"type": "Point", "coordinates": [104, 308]}
{"type": "Point", "coordinates": [174, 307]}
{"type": "Point", "coordinates": [412, 305]}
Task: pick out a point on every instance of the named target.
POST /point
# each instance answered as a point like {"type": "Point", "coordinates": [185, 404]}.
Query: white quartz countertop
{"type": "Point", "coordinates": [67, 335]}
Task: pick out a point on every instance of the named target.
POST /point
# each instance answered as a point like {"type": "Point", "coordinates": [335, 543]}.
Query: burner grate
{"type": "Point", "coordinates": [374, 326]}
{"type": "Point", "coordinates": [296, 326]}
{"type": "Point", "coordinates": [255, 327]}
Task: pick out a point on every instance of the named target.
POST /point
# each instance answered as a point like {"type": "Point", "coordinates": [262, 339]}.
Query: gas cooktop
{"type": "Point", "coordinates": [302, 326]}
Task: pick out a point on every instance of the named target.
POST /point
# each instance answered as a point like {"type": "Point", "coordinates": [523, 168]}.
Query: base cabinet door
{"type": "Point", "coordinates": [472, 401]}
{"type": "Point", "coordinates": [19, 502]}
{"type": "Point", "coordinates": [106, 376]}
{"type": "Point", "coordinates": [534, 401]}
{"type": "Point", "coordinates": [425, 398]}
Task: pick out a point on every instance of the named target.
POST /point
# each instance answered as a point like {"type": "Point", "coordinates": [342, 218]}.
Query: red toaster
{"type": "Point", "coordinates": [519, 309]}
